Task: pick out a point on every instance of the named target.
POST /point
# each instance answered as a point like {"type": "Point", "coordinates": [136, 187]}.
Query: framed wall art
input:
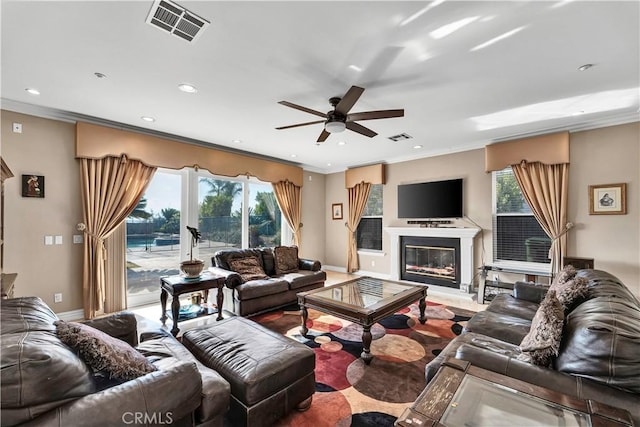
{"type": "Point", "coordinates": [336, 211]}
{"type": "Point", "coordinates": [33, 186]}
{"type": "Point", "coordinates": [608, 199]}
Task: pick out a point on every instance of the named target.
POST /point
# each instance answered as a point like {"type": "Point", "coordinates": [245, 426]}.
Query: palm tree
{"type": "Point", "coordinates": [140, 211]}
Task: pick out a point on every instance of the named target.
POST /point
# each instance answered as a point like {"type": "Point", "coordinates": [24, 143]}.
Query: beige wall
{"type": "Point", "coordinates": [600, 156]}
{"type": "Point", "coordinates": [313, 229]}
{"type": "Point", "coordinates": [606, 156]}
{"type": "Point", "coordinates": [45, 147]}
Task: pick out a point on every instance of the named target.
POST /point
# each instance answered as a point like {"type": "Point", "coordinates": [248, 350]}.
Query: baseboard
{"type": "Point", "coordinates": [73, 315]}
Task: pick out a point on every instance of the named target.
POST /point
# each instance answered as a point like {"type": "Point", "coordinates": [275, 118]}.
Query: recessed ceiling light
{"type": "Point", "coordinates": [100, 75]}
{"type": "Point", "coordinates": [328, 164]}
{"type": "Point", "coordinates": [294, 155]}
{"type": "Point", "coordinates": [417, 147]}
{"type": "Point", "coordinates": [585, 67]}
{"type": "Point", "coordinates": [237, 141]}
{"type": "Point", "coordinates": [33, 91]}
{"type": "Point", "coordinates": [186, 87]}
{"type": "Point", "coordinates": [578, 113]}
{"type": "Point", "coordinates": [355, 68]}
{"type": "Point", "coordinates": [148, 119]}
{"type": "Point", "coordinates": [342, 143]}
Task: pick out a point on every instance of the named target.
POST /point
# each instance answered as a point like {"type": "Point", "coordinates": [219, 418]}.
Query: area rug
{"type": "Point", "coordinates": [350, 393]}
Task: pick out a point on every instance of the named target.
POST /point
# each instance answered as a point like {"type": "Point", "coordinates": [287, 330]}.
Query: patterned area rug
{"type": "Point", "coordinates": [350, 393]}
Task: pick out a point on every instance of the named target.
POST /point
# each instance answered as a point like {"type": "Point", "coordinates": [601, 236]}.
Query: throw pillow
{"type": "Point", "coordinates": [566, 274]}
{"type": "Point", "coordinates": [571, 292]}
{"type": "Point", "coordinates": [286, 259]}
{"type": "Point", "coordinates": [103, 352]}
{"type": "Point", "coordinates": [248, 268]}
{"type": "Point", "coordinates": [542, 342]}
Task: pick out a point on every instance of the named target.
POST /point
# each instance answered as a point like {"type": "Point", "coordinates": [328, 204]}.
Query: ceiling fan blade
{"type": "Point", "coordinates": [323, 136]}
{"type": "Point", "coordinates": [300, 124]}
{"type": "Point", "coordinates": [349, 99]}
{"type": "Point", "coordinates": [361, 129]}
{"type": "Point", "coordinates": [372, 115]}
{"type": "Point", "coordinates": [301, 108]}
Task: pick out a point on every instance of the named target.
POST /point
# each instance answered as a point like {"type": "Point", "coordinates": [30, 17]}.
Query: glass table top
{"type": "Point", "coordinates": [363, 292]}
{"type": "Point", "coordinates": [479, 402]}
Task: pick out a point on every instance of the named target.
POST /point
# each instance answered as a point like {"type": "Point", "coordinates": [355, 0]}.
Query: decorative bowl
{"type": "Point", "coordinates": [192, 268]}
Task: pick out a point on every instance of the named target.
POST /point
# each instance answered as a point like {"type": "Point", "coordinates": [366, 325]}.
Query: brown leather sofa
{"type": "Point", "coordinates": [599, 354]}
{"type": "Point", "coordinates": [44, 382]}
{"type": "Point", "coordinates": [245, 298]}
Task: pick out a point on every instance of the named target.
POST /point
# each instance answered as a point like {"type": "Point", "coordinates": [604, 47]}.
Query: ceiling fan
{"type": "Point", "coordinates": [339, 119]}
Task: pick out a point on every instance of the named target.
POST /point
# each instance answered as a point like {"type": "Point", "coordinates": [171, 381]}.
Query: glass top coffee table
{"type": "Point", "coordinates": [363, 301]}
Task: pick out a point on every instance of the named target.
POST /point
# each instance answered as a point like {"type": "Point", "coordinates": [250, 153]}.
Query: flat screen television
{"type": "Point", "coordinates": [431, 200]}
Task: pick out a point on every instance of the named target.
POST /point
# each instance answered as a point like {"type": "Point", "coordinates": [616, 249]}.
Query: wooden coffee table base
{"type": "Point", "coordinates": [365, 317]}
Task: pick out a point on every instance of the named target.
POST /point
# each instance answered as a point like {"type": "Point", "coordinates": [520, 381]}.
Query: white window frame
{"type": "Point", "coordinates": [529, 267]}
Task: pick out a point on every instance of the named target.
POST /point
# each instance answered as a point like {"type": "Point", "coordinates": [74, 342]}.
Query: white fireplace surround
{"type": "Point", "coordinates": [465, 234]}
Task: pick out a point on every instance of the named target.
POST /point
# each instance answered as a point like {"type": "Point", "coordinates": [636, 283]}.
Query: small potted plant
{"type": "Point", "coordinates": [193, 267]}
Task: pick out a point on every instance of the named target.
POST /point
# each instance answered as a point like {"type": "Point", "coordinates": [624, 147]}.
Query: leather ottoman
{"type": "Point", "coordinates": [269, 373]}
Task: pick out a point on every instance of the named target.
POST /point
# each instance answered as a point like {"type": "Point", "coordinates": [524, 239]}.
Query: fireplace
{"type": "Point", "coordinates": [464, 264]}
{"type": "Point", "coordinates": [430, 260]}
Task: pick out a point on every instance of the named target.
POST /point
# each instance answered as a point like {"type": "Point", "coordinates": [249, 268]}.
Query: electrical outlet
{"type": "Point", "coordinates": [496, 277]}
{"type": "Point", "coordinates": [77, 238]}
{"type": "Point", "coordinates": [373, 263]}
{"type": "Point", "coordinates": [57, 298]}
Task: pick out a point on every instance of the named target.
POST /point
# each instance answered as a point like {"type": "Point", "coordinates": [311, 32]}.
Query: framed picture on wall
{"type": "Point", "coordinates": [608, 199]}
{"type": "Point", "coordinates": [336, 211]}
{"type": "Point", "coordinates": [33, 186]}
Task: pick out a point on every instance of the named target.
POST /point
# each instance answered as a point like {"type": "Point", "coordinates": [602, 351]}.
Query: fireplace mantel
{"type": "Point", "coordinates": [465, 234]}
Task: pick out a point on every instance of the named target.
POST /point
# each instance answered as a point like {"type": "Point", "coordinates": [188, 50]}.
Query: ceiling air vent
{"type": "Point", "coordinates": [177, 20]}
{"type": "Point", "coordinates": [400, 137]}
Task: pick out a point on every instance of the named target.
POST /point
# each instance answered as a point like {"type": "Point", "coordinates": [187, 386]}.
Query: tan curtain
{"type": "Point", "coordinates": [358, 195]}
{"type": "Point", "coordinates": [546, 187]}
{"type": "Point", "coordinates": [111, 188]}
{"type": "Point", "coordinates": [115, 298]}
{"type": "Point", "coordinates": [288, 197]}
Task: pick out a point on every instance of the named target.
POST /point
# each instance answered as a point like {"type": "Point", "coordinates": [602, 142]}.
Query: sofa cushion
{"type": "Point", "coordinates": [286, 259]}
{"type": "Point", "coordinates": [542, 342]}
{"type": "Point", "coordinates": [248, 268]}
{"type": "Point", "coordinates": [33, 357]}
{"type": "Point", "coordinates": [303, 278]}
{"type": "Point", "coordinates": [506, 304]}
{"type": "Point", "coordinates": [261, 288]}
{"type": "Point", "coordinates": [500, 326]}
{"type": "Point", "coordinates": [221, 258]}
{"type": "Point", "coordinates": [268, 261]}
{"type": "Point", "coordinates": [103, 352]}
{"type": "Point", "coordinates": [601, 341]}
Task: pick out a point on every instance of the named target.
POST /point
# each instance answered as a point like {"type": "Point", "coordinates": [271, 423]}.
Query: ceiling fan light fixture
{"type": "Point", "coordinates": [335, 127]}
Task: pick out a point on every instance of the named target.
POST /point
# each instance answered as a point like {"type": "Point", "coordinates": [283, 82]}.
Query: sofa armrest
{"type": "Point", "coordinates": [529, 291]}
{"type": "Point", "coordinates": [161, 397]}
{"type": "Point", "coordinates": [231, 278]}
{"type": "Point", "coordinates": [561, 382]}
{"type": "Point", "coordinates": [309, 264]}
{"type": "Point", "coordinates": [121, 325]}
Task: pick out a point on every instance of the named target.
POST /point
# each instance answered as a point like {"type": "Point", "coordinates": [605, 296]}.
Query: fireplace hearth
{"type": "Point", "coordinates": [464, 261]}
{"type": "Point", "coordinates": [430, 260]}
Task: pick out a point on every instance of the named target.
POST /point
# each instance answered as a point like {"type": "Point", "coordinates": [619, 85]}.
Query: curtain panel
{"type": "Point", "coordinates": [111, 188]}
{"type": "Point", "coordinates": [358, 195]}
{"type": "Point", "coordinates": [290, 202]}
{"type": "Point", "coordinates": [545, 187]}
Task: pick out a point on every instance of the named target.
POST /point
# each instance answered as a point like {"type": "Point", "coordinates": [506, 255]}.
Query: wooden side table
{"type": "Point", "coordinates": [462, 394]}
{"type": "Point", "coordinates": [178, 285]}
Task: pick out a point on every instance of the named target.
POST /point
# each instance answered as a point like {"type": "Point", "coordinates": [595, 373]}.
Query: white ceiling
{"type": "Point", "coordinates": [255, 54]}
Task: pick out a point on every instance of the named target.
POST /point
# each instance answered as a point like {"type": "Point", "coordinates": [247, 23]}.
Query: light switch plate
{"type": "Point", "coordinates": [77, 238]}
{"type": "Point", "coordinates": [58, 240]}
{"type": "Point", "coordinates": [48, 240]}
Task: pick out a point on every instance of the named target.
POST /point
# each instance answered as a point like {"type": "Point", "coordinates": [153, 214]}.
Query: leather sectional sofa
{"type": "Point", "coordinates": [44, 381]}
{"type": "Point", "coordinates": [274, 287]}
{"type": "Point", "coordinates": [599, 352]}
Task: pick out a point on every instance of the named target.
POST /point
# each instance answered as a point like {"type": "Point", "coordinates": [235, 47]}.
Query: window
{"type": "Point", "coordinates": [369, 232]}
{"type": "Point", "coordinates": [517, 235]}
{"type": "Point", "coordinates": [229, 213]}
